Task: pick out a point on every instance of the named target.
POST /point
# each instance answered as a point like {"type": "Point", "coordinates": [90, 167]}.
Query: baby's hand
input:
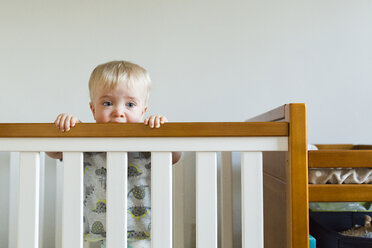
{"type": "Point", "coordinates": [65, 121]}
{"type": "Point", "coordinates": [155, 121]}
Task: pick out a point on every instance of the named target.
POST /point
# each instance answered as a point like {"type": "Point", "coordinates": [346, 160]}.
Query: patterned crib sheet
{"type": "Point", "coordinates": [340, 175]}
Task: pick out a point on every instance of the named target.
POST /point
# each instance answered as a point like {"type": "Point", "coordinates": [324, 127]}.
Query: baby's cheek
{"type": "Point", "coordinates": [102, 119]}
{"type": "Point", "coordinates": [135, 119]}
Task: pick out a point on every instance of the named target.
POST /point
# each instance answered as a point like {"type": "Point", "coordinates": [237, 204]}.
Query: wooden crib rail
{"type": "Point", "coordinates": [340, 192]}
{"type": "Point", "coordinates": [185, 129]}
{"type": "Point", "coordinates": [363, 147]}
{"type": "Point", "coordinates": [335, 146]}
{"type": "Point", "coordinates": [338, 147]}
{"type": "Point", "coordinates": [340, 159]}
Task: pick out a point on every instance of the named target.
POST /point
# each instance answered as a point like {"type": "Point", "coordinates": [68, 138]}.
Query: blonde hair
{"type": "Point", "coordinates": [111, 74]}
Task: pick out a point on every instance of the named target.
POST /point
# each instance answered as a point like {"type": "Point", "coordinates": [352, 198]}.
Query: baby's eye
{"type": "Point", "coordinates": [107, 103]}
{"type": "Point", "coordinates": [131, 104]}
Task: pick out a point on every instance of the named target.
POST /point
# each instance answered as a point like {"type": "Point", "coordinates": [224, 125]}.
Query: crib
{"type": "Point", "coordinates": [274, 185]}
{"type": "Point", "coordinates": [340, 156]}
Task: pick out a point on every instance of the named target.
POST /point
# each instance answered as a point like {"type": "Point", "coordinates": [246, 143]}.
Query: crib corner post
{"type": "Point", "coordinates": [297, 177]}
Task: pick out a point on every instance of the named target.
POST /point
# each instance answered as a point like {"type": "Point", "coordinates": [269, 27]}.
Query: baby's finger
{"type": "Point", "coordinates": [57, 121]}
{"type": "Point", "coordinates": [74, 120]}
{"type": "Point", "coordinates": [163, 119]}
{"type": "Point", "coordinates": [68, 123]}
{"type": "Point", "coordinates": [157, 121]}
{"type": "Point", "coordinates": [146, 121]}
{"type": "Point", "coordinates": [151, 121]}
{"type": "Point", "coordinates": [62, 123]}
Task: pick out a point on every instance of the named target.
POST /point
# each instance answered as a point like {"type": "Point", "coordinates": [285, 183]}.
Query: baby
{"type": "Point", "coordinates": [119, 91]}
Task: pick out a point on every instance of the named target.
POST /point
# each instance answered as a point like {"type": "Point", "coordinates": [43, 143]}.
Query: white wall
{"type": "Point", "coordinates": [209, 60]}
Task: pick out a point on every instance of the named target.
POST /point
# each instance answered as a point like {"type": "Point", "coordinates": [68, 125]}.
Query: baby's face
{"type": "Point", "coordinates": [121, 104]}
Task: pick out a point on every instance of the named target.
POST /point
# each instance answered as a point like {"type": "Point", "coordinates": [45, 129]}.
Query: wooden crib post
{"type": "Point", "coordinates": [297, 177]}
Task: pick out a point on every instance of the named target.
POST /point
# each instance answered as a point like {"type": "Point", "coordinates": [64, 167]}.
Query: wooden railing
{"type": "Point", "coordinates": [250, 138]}
{"type": "Point", "coordinates": [189, 129]}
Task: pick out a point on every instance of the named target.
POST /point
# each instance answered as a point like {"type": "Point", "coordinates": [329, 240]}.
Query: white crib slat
{"type": "Point", "coordinates": [252, 200]}
{"type": "Point", "coordinates": [72, 200]}
{"type": "Point", "coordinates": [161, 199]}
{"type": "Point", "coordinates": [13, 199]}
{"type": "Point", "coordinates": [226, 200]}
{"type": "Point", "coordinates": [116, 200]}
{"type": "Point", "coordinates": [58, 198]}
{"type": "Point", "coordinates": [178, 205]}
{"type": "Point", "coordinates": [28, 201]}
{"type": "Point", "coordinates": [206, 200]}
{"type": "Point", "coordinates": [42, 199]}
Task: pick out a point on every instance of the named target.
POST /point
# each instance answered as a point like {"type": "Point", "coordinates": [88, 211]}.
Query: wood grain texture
{"type": "Point", "coordinates": [340, 192]}
{"type": "Point", "coordinates": [185, 129]}
{"type": "Point", "coordinates": [335, 146]}
{"type": "Point", "coordinates": [340, 159]}
{"type": "Point", "coordinates": [297, 178]}
{"type": "Point", "coordinates": [363, 147]}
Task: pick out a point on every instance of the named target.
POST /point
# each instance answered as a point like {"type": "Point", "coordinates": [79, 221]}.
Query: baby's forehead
{"type": "Point", "coordinates": [137, 91]}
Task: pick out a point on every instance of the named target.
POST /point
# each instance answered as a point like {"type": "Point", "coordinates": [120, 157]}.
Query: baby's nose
{"type": "Point", "coordinates": [119, 112]}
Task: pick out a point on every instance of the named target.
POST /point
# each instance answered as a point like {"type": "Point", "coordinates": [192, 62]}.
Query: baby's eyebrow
{"type": "Point", "coordinates": [105, 96]}
{"type": "Point", "coordinates": [132, 98]}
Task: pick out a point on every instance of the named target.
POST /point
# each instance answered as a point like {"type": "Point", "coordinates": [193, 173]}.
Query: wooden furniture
{"type": "Point", "coordinates": [286, 188]}
{"type": "Point", "coordinates": [286, 182]}
{"type": "Point", "coordinates": [340, 156]}
{"type": "Point", "coordinates": [283, 133]}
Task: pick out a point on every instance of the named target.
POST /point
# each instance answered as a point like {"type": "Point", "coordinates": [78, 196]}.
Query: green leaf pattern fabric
{"type": "Point", "coordinates": [139, 201]}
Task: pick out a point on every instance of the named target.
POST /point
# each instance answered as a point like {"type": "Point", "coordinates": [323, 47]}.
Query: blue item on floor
{"type": "Point", "coordinates": [312, 242]}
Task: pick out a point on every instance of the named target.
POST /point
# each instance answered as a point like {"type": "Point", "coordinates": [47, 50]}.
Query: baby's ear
{"type": "Point", "coordinates": [144, 111]}
{"type": "Point", "coordinates": [92, 108]}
